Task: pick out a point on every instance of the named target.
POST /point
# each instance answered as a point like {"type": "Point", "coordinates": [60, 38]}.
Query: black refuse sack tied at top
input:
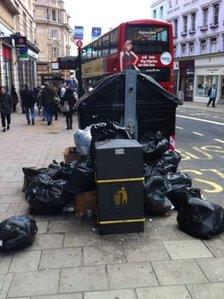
{"type": "Point", "coordinates": [17, 232]}
{"type": "Point", "coordinates": [45, 194]}
{"type": "Point", "coordinates": [155, 200]}
{"type": "Point", "coordinates": [179, 181]}
{"type": "Point", "coordinates": [199, 218]}
{"type": "Point", "coordinates": [154, 146]}
{"type": "Point", "coordinates": [83, 176]}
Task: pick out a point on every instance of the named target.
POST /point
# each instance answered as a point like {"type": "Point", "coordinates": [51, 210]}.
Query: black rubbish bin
{"type": "Point", "coordinates": [119, 178]}
{"type": "Point", "coordinates": [156, 107]}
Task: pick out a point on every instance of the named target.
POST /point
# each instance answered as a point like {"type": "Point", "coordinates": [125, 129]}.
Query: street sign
{"type": "Point", "coordinates": [79, 43]}
{"type": "Point", "coordinates": [78, 32]}
{"type": "Point", "coordinates": [96, 32]}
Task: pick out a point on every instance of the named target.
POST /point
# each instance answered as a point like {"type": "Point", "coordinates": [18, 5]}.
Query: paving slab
{"type": "Point", "coordinates": [166, 220]}
{"type": "Point", "coordinates": [61, 258]}
{"type": "Point", "coordinates": [34, 283]}
{"type": "Point", "coordinates": [165, 292]}
{"type": "Point", "coordinates": [42, 227]}
{"type": "Point", "coordinates": [5, 260]}
{"type": "Point", "coordinates": [158, 234]}
{"type": "Point", "coordinates": [60, 296]}
{"type": "Point", "coordinates": [25, 261]}
{"type": "Point", "coordinates": [151, 251]}
{"type": "Point", "coordinates": [121, 239]}
{"type": "Point", "coordinates": [131, 275]}
{"type": "Point", "coordinates": [207, 291]}
{"type": "Point", "coordinates": [47, 241]}
{"type": "Point", "coordinates": [114, 294]}
{"type": "Point", "coordinates": [82, 279]}
{"type": "Point", "coordinates": [213, 268]}
{"type": "Point", "coordinates": [175, 272]}
{"type": "Point", "coordinates": [187, 249]}
{"type": "Point", "coordinates": [216, 246]}
{"type": "Point", "coordinates": [62, 226]}
{"type": "Point", "coordinates": [74, 238]}
{"type": "Point", "coordinates": [98, 255]}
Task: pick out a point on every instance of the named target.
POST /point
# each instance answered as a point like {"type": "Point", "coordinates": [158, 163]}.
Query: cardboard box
{"type": "Point", "coordinates": [71, 154]}
{"type": "Point", "coordinates": [85, 201]}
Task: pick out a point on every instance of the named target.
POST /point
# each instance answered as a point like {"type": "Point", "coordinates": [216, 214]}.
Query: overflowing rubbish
{"type": "Point", "coordinates": [17, 232]}
{"type": "Point", "coordinates": [29, 174]}
{"type": "Point", "coordinates": [199, 218]}
{"type": "Point", "coordinates": [83, 140]}
{"type": "Point", "coordinates": [155, 200]}
{"type": "Point", "coordinates": [46, 194]}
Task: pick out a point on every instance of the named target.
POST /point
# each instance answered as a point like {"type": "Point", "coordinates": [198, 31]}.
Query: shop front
{"type": "Point", "coordinates": [209, 71]}
{"type": "Point", "coordinates": [186, 80]}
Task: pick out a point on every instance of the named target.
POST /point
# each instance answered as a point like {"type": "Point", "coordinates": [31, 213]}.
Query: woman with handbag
{"type": "Point", "coordinates": [68, 106]}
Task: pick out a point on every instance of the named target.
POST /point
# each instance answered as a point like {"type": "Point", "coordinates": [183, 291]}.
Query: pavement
{"type": "Point", "coordinates": [70, 260]}
{"type": "Point", "coordinates": [202, 106]}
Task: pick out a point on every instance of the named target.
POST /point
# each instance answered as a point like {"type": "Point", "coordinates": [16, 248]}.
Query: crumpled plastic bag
{"type": "Point", "coordinates": [83, 140]}
{"type": "Point", "coordinates": [200, 218]}
{"type": "Point", "coordinates": [17, 232]}
{"type": "Point", "coordinates": [29, 174]}
{"type": "Point", "coordinates": [45, 194]}
{"type": "Point", "coordinates": [154, 146]}
{"type": "Point", "coordinates": [179, 182]}
{"type": "Point", "coordinates": [155, 200]}
{"type": "Point", "coordinates": [83, 176]}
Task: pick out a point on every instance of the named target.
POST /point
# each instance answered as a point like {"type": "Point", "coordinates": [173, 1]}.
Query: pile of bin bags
{"type": "Point", "coordinates": [17, 232]}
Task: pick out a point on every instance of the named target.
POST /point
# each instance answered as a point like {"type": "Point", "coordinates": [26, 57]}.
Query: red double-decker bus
{"type": "Point", "coordinates": [151, 42]}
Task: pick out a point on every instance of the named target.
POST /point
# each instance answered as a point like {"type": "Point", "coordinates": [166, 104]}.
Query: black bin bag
{"type": "Point", "coordinates": [154, 146]}
{"type": "Point", "coordinates": [17, 232]}
{"type": "Point", "coordinates": [155, 200]}
{"type": "Point", "coordinates": [200, 218]}
{"type": "Point", "coordinates": [29, 174]}
{"type": "Point", "coordinates": [45, 194]}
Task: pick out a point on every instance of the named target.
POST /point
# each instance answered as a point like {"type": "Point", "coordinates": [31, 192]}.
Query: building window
{"type": "Point", "coordinates": [154, 13]}
{"type": "Point", "coordinates": [205, 17]}
{"type": "Point", "coordinates": [193, 21]}
{"type": "Point", "coordinates": [161, 12]}
{"type": "Point", "coordinates": [203, 47]}
{"type": "Point", "coordinates": [184, 24]}
{"type": "Point", "coordinates": [203, 83]}
{"type": "Point", "coordinates": [47, 14]}
{"type": "Point", "coordinates": [215, 19]}
{"type": "Point", "coordinates": [24, 24]}
{"type": "Point", "coordinates": [59, 18]}
{"type": "Point", "coordinates": [53, 15]}
{"type": "Point", "coordinates": [183, 49]}
{"type": "Point", "coordinates": [175, 27]}
{"type": "Point", "coordinates": [213, 44]}
{"type": "Point", "coordinates": [31, 30]}
{"type": "Point", "coordinates": [55, 51]}
{"type": "Point", "coordinates": [54, 33]}
{"type": "Point", "coordinates": [191, 48]}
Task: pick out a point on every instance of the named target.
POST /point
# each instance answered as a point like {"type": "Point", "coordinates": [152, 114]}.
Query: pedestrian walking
{"type": "Point", "coordinates": [47, 99]}
{"type": "Point", "coordinates": [5, 108]}
{"type": "Point", "coordinates": [68, 107]}
{"type": "Point", "coordinates": [212, 93]}
{"type": "Point", "coordinates": [63, 90]}
{"type": "Point", "coordinates": [14, 96]}
{"type": "Point", "coordinates": [28, 100]}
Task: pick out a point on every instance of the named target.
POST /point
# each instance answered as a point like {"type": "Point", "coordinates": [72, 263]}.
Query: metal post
{"type": "Point", "coordinates": [79, 73]}
{"type": "Point", "coordinates": [130, 116]}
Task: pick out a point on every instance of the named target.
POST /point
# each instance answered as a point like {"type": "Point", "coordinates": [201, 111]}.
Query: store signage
{"type": "Point", "coordinates": [20, 42]}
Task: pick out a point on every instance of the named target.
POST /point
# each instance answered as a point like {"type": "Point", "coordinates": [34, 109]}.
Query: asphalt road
{"type": "Point", "coordinates": [200, 140]}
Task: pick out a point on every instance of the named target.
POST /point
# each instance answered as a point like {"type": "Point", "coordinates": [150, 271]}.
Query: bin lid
{"type": "Point", "coordinates": [111, 90]}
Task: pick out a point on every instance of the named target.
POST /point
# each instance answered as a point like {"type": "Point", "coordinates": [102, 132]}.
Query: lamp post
{"type": "Point", "coordinates": [79, 68]}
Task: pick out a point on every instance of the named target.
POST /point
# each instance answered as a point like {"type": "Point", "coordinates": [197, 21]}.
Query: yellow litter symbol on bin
{"type": "Point", "coordinates": [121, 197]}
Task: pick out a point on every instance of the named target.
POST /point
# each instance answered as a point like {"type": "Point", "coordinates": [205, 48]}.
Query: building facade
{"type": "Point", "coordinates": [54, 38]}
{"type": "Point", "coordinates": [159, 9]}
{"type": "Point", "coordinates": [198, 47]}
{"type": "Point", "coordinates": [16, 19]}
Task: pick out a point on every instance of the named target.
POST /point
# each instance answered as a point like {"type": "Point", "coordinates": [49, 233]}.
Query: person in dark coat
{"type": "Point", "coordinates": [28, 100]}
{"type": "Point", "coordinates": [70, 98]}
{"type": "Point", "coordinates": [14, 96]}
{"type": "Point", "coordinates": [47, 99]}
{"type": "Point", "coordinates": [5, 108]}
